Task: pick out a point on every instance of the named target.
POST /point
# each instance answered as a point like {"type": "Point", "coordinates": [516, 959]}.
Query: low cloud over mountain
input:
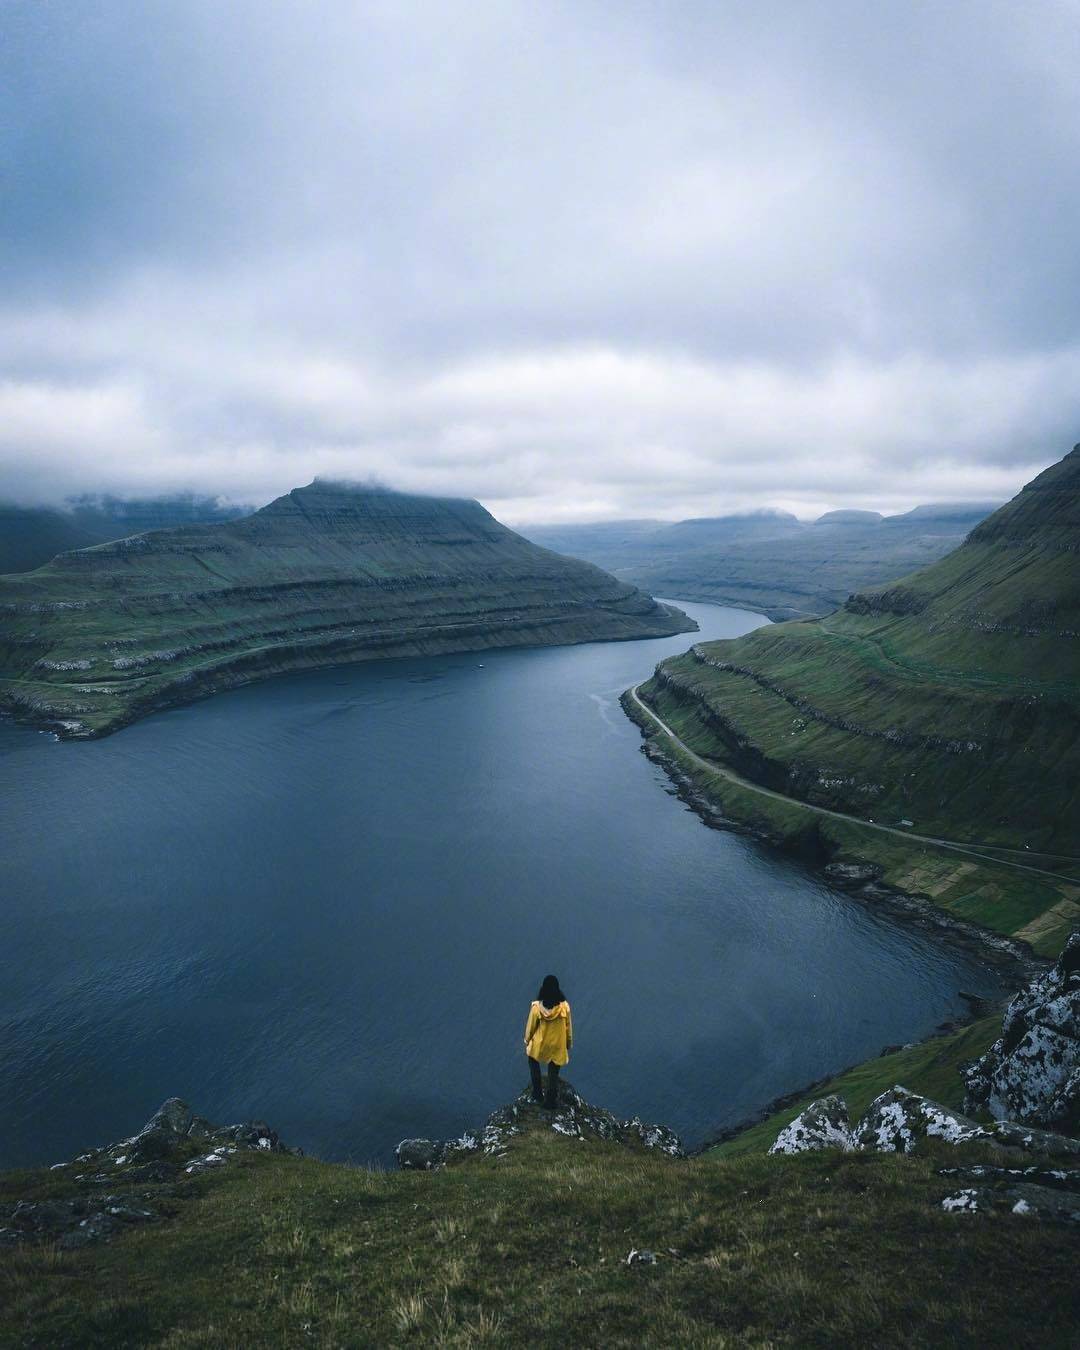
{"type": "Point", "coordinates": [580, 260]}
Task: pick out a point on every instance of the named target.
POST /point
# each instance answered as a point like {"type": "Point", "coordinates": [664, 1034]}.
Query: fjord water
{"type": "Point", "coordinates": [326, 901]}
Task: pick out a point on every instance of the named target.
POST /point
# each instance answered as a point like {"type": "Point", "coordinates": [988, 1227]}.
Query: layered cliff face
{"type": "Point", "coordinates": [329, 573]}
{"type": "Point", "coordinates": [948, 701]}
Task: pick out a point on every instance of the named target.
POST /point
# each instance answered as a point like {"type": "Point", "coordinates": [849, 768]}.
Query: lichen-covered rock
{"type": "Point", "coordinates": [968, 1201]}
{"type": "Point", "coordinates": [172, 1126]}
{"type": "Point", "coordinates": [659, 1137]}
{"type": "Point", "coordinates": [896, 1121]}
{"type": "Point", "coordinates": [573, 1117]}
{"type": "Point", "coordinates": [1024, 1199]}
{"type": "Point", "coordinates": [1057, 1178]}
{"type": "Point", "coordinates": [824, 1124]}
{"type": "Point", "coordinates": [419, 1155]}
{"type": "Point", "coordinates": [1032, 1073]}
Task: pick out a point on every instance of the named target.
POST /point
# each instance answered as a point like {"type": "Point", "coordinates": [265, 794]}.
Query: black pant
{"type": "Point", "coordinates": [552, 1081]}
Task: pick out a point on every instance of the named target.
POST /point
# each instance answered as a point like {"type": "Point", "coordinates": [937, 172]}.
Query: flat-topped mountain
{"type": "Point", "coordinates": [948, 701]}
{"type": "Point", "coordinates": [329, 573]}
{"type": "Point", "coordinates": [770, 561]}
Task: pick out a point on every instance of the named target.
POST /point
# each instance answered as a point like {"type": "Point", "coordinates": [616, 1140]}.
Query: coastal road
{"type": "Point", "coordinates": [719, 771]}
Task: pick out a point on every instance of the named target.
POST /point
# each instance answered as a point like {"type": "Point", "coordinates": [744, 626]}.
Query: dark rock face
{"type": "Point", "coordinates": [852, 875]}
{"type": "Point", "coordinates": [1032, 1073]}
{"type": "Point", "coordinates": [162, 1153]}
{"type": "Point", "coordinates": [573, 1117]}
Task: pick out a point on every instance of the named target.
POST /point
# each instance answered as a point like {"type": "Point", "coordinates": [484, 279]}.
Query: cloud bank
{"type": "Point", "coordinates": [577, 259]}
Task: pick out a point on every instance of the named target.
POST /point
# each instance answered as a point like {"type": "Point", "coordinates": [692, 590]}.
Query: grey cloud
{"type": "Point", "coordinates": [644, 259]}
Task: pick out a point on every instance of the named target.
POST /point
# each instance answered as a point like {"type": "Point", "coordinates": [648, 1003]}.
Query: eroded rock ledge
{"type": "Point", "coordinates": [136, 1180]}
{"type": "Point", "coordinates": [573, 1117]}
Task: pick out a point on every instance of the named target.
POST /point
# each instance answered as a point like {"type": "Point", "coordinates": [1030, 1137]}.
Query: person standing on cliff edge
{"type": "Point", "coordinates": [549, 1034]}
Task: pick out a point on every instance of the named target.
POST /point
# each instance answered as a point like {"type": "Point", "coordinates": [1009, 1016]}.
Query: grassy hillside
{"type": "Point", "coordinates": [326, 574]}
{"type": "Point", "coordinates": [769, 562]}
{"type": "Point", "coordinates": [1039, 908]}
{"type": "Point", "coordinates": [948, 703]}
{"type": "Point", "coordinates": [530, 1249]}
{"type": "Point", "coordinates": [31, 536]}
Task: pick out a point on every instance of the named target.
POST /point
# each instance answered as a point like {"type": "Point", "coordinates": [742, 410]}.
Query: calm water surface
{"type": "Point", "coordinates": [327, 900]}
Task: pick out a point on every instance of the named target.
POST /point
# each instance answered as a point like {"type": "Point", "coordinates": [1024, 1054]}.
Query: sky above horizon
{"type": "Point", "coordinates": [581, 260]}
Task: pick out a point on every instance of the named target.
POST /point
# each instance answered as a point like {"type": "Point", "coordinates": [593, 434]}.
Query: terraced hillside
{"type": "Point", "coordinates": [948, 702]}
{"type": "Point", "coordinates": [327, 574]}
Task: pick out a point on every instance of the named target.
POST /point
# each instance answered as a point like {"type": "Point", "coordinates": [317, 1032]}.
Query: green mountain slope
{"type": "Point", "coordinates": [328, 573]}
{"type": "Point", "coordinates": [31, 536]}
{"type": "Point", "coordinates": [769, 561]}
{"type": "Point", "coordinates": [948, 701]}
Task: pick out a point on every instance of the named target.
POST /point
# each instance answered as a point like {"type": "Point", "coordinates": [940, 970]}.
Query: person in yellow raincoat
{"type": "Point", "coordinates": [549, 1034]}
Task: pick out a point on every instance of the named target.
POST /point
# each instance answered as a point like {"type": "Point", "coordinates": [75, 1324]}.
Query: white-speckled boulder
{"type": "Point", "coordinates": [824, 1124]}
{"type": "Point", "coordinates": [898, 1120]}
{"type": "Point", "coordinates": [1032, 1073]}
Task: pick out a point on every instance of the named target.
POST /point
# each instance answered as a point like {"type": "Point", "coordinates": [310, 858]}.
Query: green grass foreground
{"type": "Point", "coordinates": [530, 1250]}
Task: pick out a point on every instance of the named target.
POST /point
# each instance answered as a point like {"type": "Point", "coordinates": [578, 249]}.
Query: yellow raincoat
{"type": "Point", "coordinates": [549, 1033]}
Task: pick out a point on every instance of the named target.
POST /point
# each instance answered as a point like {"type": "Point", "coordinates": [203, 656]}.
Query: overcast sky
{"type": "Point", "coordinates": [580, 260]}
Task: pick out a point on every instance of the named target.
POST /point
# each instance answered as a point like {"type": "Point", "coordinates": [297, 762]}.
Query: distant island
{"type": "Point", "coordinates": [329, 573]}
{"type": "Point", "coordinates": [769, 561]}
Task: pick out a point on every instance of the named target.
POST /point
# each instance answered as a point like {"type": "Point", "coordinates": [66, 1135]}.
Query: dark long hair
{"type": "Point", "coordinates": [550, 994]}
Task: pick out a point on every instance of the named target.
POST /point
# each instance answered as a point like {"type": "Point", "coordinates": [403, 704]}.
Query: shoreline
{"type": "Point", "coordinates": [1011, 958]}
{"type": "Point", "coordinates": [997, 950]}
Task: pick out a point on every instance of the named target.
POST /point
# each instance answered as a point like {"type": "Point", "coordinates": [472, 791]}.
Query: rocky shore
{"type": "Point", "coordinates": [862, 880]}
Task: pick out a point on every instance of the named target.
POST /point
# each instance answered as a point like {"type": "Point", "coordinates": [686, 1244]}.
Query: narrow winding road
{"type": "Point", "coordinates": [720, 772]}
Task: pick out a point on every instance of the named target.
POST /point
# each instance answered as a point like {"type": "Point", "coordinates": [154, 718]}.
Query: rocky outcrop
{"type": "Point", "coordinates": [897, 600]}
{"type": "Point", "coordinates": [1032, 1073]}
{"type": "Point", "coordinates": [824, 1124]}
{"type": "Point", "coordinates": [899, 1121]}
{"type": "Point", "coordinates": [134, 1181]}
{"type": "Point", "coordinates": [1034, 1192]}
{"type": "Point", "coordinates": [572, 1118]}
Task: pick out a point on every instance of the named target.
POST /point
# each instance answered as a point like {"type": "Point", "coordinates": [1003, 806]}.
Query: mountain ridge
{"type": "Point", "coordinates": [770, 561]}
{"type": "Point", "coordinates": [327, 573]}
